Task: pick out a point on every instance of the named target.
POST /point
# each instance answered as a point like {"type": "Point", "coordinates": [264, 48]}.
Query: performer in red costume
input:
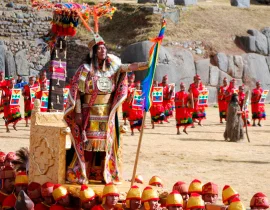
{"type": "Point", "coordinates": [241, 98]}
{"type": "Point", "coordinates": [182, 116]}
{"type": "Point", "coordinates": [222, 103]}
{"type": "Point", "coordinates": [3, 85]}
{"type": "Point", "coordinates": [7, 176]}
{"type": "Point", "coordinates": [42, 79]}
{"type": "Point", "coordinates": [39, 95]}
{"type": "Point", "coordinates": [28, 106]}
{"type": "Point", "coordinates": [230, 91]}
{"type": "Point", "coordinates": [126, 104]}
{"type": "Point", "coordinates": [167, 95]}
{"type": "Point", "coordinates": [11, 112]}
{"type": "Point", "coordinates": [135, 113]}
{"type": "Point", "coordinates": [198, 112]}
{"type": "Point", "coordinates": [156, 110]}
{"type": "Point", "coordinates": [257, 109]}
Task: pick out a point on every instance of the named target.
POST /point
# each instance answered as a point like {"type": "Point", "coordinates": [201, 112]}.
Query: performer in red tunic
{"type": "Point", "coordinates": [167, 95]}
{"type": "Point", "coordinates": [241, 98]}
{"type": "Point", "coordinates": [156, 110]}
{"type": "Point", "coordinates": [2, 160]}
{"type": "Point", "coordinates": [39, 95]}
{"type": "Point", "coordinates": [230, 91]}
{"type": "Point", "coordinates": [182, 116]}
{"type": "Point", "coordinates": [135, 113]}
{"type": "Point", "coordinates": [198, 111]}
{"type": "Point", "coordinates": [11, 112]}
{"type": "Point", "coordinates": [3, 85]}
{"type": "Point", "coordinates": [222, 103]}
{"type": "Point", "coordinates": [43, 78]}
{"type": "Point", "coordinates": [126, 103]}
{"type": "Point", "coordinates": [28, 106]}
{"type": "Point", "coordinates": [257, 109]}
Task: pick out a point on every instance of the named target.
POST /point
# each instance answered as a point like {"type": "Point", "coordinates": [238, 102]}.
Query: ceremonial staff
{"type": "Point", "coordinates": [244, 109]}
{"type": "Point", "coordinates": [147, 87]}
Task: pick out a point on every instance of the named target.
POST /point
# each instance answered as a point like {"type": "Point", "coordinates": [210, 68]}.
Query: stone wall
{"type": "Point", "coordinates": [20, 52]}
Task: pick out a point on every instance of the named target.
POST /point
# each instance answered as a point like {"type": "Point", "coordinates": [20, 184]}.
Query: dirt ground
{"type": "Point", "coordinates": [202, 154]}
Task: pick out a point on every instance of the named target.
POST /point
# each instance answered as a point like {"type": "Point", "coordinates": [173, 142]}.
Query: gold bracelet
{"type": "Point", "coordinates": [125, 67]}
{"type": "Point", "coordinates": [78, 108]}
{"type": "Point", "coordinates": [142, 65]}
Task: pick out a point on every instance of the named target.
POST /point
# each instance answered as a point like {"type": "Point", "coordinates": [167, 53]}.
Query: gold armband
{"type": "Point", "coordinates": [125, 67]}
{"type": "Point", "coordinates": [78, 107]}
{"type": "Point", "coordinates": [142, 65]}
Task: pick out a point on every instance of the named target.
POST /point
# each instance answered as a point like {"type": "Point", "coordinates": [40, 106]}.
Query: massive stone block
{"type": "Point", "coordinates": [235, 66]}
{"type": "Point", "coordinates": [22, 64]}
{"type": "Point", "coordinates": [221, 60]}
{"type": "Point", "coordinates": [214, 75]}
{"type": "Point", "coordinates": [259, 40]}
{"type": "Point", "coordinates": [2, 57]}
{"type": "Point", "coordinates": [266, 33]}
{"type": "Point", "coordinates": [177, 63]}
{"type": "Point", "coordinates": [256, 68]}
{"type": "Point", "coordinates": [185, 2]}
{"type": "Point", "coordinates": [241, 3]}
{"type": "Point", "coordinates": [10, 64]}
{"type": "Point", "coordinates": [202, 69]}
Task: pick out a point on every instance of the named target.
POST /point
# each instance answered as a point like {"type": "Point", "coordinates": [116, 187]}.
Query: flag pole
{"type": "Point", "coordinates": [138, 150]}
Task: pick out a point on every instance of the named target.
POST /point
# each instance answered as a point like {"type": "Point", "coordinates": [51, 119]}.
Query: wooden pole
{"type": "Point", "coordinates": [138, 150]}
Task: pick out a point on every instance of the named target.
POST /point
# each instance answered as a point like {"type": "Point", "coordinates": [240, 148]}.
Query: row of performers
{"type": "Point", "coordinates": [187, 107]}
{"type": "Point", "coordinates": [257, 103]}
{"type": "Point", "coordinates": [9, 100]}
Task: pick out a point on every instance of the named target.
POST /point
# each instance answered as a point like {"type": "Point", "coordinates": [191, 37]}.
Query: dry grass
{"type": "Point", "coordinates": [215, 23]}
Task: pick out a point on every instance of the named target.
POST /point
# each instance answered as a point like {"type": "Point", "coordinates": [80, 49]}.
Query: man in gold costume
{"type": "Point", "coordinates": [98, 89]}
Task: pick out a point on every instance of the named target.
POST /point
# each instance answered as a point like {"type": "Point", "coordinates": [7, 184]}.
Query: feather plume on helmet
{"type": "Point", "coordinates": [21, 163]}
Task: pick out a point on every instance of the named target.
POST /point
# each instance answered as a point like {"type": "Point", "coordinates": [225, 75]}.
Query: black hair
{"type": "Point", "coordinates": [94, 59]}
{"type": "Point", "coordinates": [234, 98]}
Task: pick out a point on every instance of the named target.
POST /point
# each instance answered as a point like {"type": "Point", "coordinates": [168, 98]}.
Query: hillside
{"type": "Point", "coordinates": [215, 23]}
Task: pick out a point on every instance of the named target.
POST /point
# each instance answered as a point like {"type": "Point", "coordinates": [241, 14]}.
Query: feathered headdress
{"type": "Point", "coordinates": [21, 163]}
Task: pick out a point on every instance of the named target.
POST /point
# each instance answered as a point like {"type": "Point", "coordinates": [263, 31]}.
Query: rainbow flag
{"type": "Point", "coordinates": [152, 63]}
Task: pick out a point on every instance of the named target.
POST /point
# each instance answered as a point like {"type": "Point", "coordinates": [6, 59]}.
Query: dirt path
{"type": "Point", "coordinates": [203, 154]}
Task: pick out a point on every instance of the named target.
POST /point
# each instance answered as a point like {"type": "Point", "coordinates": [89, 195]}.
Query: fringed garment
{"type": "Point", "coordinates": [234, 125]}
{"type": "Point", "coordinates": [182, 115]}
{"type": "Point", "coordinates": [100, 130]}
{"type": "Point", "coordinates": [257, 109]}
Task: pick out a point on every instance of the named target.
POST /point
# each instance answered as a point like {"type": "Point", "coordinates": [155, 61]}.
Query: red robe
{"type": "Point", "coordinates": [40, 82]}
{"type": "Point", "coordinates": [42, 206]}
{"type": "Point", "coordinates": [257, 109]}
{"type": "Point", "coordinates": [11, 112]}
{"type": "Point", "coordinates": [222, 103]}
{"type": "Point", "coordinates": [3, 196]}
{"type": "Point", "coordinates": [157, 111]}
{"type": "Point", "coordinates": [198, 111]}
{"type": "Point", "coordinates": [241, 98]}
{"type": "Point", "coordinates": [28, 106]}
{"type": "Point", "coordinates": [126, 104]}
{"type": "Point", "coordinates": [9, 202]}
{"type": "Point", "coordinates": [167, 103]}
{"type": "Point", "coordinates": [38, 96]}
{"type": "Point", "coordinates": [182, 115]}
{"type": "Point", "coordinates": [135, 116]}
{"type": "Point", "coordinates": [229, 92]}
{"type": "Point", "coordinates": [3, 85]}
{"type": "Point", "coordinates": [100, 207]}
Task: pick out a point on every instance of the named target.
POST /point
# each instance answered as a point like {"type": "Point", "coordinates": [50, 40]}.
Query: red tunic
{"type": "Point", "coordinates": [182, 116]}
{"type": "Point", "coordinates": [100, 207]}
{"type": "Point", "coordinates": [11, 112]}
{"type": "Point", "coordinates": [241, 98]}
{"type": "Point", "coordinates": [28, 106]}
{"type": "Point", "coordinates": [199, 110]}
{"type": "Point", "coordinates": [40, 82]}
{"type": "Point", "coordinates": [257, 109]}
{"type": "Point", "coordinates": [38, 96]}
{"type": "Point", "coordinates": [9, 202]}
{"type": "Point", "coordinates": [157, 111]}
{"type": "Point", "coordinates": [222, 103]}
{"type": "Point", "coordinates": [126, 104]}
{"type": "Point", "coordinates": [3, 196]}
{"type": "Point", "coordinates": [229, 92]}
{"type": "Point", "coordinates": [3, 85]}
{"type": "Point", "coordinates": [167, 103]}
{"type": "Point", "coordinates": [42, 206]}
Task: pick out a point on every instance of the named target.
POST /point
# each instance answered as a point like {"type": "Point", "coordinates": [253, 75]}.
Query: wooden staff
{"type": "Point", "coordinates": [245, 107]}
{"type": "Point", "coordinates": [138, 150]}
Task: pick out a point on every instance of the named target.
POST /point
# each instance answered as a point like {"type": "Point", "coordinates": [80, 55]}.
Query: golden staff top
{"type": "Point", "coordinates": [66, 16]}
